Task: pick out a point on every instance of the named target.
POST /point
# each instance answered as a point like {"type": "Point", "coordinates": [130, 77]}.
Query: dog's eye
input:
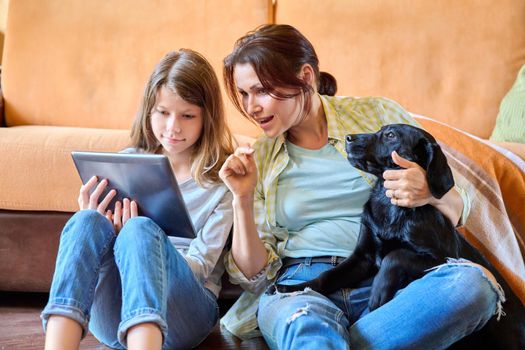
{"type": "Point", "coordinates": [390, 135]}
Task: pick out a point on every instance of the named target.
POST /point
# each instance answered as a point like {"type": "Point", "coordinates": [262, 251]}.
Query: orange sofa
{"type": "Point", "coordinates": [73, 72]}
{"type": "Point", "coordinates": [72, 77]}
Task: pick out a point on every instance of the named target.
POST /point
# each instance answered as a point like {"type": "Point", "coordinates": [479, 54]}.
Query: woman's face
{"type": "Point", "coordinates": [176, 124]}
{"type": "Point", "coordinates": [273, 115]}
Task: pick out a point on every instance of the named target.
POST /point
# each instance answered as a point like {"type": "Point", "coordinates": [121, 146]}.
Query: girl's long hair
{"type": "Point", "coordinates": [189, 75]}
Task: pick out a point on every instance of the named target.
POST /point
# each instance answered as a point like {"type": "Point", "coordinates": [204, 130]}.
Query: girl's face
{"type": "Point", "coordinates": [176, 124]}
{"type": "Point", "coordinates": [273, 115]}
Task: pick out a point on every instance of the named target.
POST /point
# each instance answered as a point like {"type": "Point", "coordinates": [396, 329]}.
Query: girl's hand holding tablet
{"type": "Point", "coordinates": [123, 211]}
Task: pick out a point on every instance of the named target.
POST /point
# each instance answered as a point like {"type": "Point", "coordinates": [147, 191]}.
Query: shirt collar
{"type": "Point", "coordinates": [335, 132]}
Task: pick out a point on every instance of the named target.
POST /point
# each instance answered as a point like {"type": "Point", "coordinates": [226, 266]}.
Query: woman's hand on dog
{"type": "Point", "coordinates": [239, 172]}
{"type": "Point", "coordinates": [407, 187]}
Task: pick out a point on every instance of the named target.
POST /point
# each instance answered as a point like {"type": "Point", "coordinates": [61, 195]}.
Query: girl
{"type": "Point", "coordinates": [297, 204]}
{"type": "Point", "coordinates": [118, 273]}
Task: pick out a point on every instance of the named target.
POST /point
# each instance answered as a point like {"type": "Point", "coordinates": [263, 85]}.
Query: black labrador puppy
{"type": "Point", "coordinates": [399, 245]}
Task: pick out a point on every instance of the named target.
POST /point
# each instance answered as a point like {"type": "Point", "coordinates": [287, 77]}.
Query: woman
{"type": "Point", "coordinates": [297, 205]}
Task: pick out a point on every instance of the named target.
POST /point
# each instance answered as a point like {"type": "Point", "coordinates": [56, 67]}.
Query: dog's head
{"type": "Point", "coordinates": [372, 153]}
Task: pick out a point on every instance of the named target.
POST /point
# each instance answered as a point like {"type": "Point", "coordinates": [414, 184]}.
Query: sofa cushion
{"type": "Point", "coordinates": [450, 60]}
{"type": "Point", "coordinates": [84, 63]}
{"type": "Point", "coordinates": [39, 172]}
{"type": "Point", "coordinates": [510, 126]}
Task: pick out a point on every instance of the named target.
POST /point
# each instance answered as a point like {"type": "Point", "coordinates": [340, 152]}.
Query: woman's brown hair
{"type": "Point", "coordinates": [277, 52]}
{"type": "Point", "coordinates": [189, 75]}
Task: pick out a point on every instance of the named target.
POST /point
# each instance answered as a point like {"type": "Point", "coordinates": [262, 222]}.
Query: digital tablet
{"type": "Point", "coordinates": [145, 178]}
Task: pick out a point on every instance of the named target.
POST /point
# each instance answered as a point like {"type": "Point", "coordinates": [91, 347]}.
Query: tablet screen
{"type": "Point", "coordinates": [145, 178]}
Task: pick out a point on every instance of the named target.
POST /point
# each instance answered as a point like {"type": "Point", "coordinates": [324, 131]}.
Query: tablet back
{"type": "Point", "coordinates": [146, 178]}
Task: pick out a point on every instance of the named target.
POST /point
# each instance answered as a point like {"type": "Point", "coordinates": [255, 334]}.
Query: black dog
{"type": "Point", "coordinates": [399, 245]}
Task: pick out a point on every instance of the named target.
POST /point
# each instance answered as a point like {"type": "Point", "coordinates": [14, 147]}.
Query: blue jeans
{"type": "Point", "coordinates": [113, 282]}
{"type": "Point", "coordinates": [433, 312]}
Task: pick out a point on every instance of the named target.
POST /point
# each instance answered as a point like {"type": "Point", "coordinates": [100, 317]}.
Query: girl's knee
{"type": "Point", "coordinates": [86, 214]}
{"type": "Point", "coordinates": [88, 217]}
{"type": "Point", "coordinates": [137, 233]}
{"type": "Point", "coordinates": [87, 225]}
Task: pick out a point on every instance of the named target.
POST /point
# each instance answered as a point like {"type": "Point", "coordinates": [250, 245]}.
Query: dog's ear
{"type": "Point", "coordinates": [439, 175]}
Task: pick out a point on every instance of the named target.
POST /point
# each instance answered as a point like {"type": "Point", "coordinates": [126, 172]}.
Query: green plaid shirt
{"type": "Point", "coordinates": [345, 115]}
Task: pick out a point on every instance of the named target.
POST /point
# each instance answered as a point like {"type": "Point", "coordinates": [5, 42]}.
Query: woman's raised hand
{"type": "Point", "coordinates": [239, 172]}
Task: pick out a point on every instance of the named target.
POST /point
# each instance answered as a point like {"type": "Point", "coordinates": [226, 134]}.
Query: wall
{"type": "Point", "coordinates": [84, 50]}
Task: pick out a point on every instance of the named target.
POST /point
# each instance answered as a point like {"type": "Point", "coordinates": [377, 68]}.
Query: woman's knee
{"type": "Point", "coordinates": [278, 309]}
{"type": "Point", "coordinates": [476, 291]}
{"type": "Point", "coordinates": [289, 308]}
{"type": "Point", "coordinates": [293, 318]}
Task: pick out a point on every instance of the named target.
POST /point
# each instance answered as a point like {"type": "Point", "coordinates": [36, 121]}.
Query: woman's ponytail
{"type": "Point", "coordinates": [327, 84]}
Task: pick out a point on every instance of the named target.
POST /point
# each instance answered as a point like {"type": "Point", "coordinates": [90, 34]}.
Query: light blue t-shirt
{"type": "Point", "coordinates": [320, 198]}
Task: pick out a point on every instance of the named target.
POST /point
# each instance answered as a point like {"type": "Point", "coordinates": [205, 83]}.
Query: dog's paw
{"type": "Point", "coordinates": [379, 297]}
{"type": "Point", "coordinates": [374, 302]}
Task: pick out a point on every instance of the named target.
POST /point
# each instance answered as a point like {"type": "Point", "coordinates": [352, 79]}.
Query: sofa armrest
{"type": "Point", "coordinates": [2, 119]}
{"type": "Point", "coordinates": [515, 147]}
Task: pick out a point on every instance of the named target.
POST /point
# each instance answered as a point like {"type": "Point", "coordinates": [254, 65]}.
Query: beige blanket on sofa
{"type": "Point", "coordinates": [496, 186]}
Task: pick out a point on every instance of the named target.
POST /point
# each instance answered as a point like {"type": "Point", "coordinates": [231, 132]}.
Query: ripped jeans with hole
{"type": "Point", "coordinates": [430, 313]}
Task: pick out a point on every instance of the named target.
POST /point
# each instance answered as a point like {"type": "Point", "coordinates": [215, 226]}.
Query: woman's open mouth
{"type": "Point", "coordinates": [264, 121]}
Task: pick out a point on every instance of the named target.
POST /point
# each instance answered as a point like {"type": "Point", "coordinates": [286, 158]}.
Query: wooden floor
{"type": "Point", "coordinates": [21, 329]}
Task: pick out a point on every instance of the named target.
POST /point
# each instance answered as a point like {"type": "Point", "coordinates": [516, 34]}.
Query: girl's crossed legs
{"type": "Point", "coordinates": [115, 282]}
